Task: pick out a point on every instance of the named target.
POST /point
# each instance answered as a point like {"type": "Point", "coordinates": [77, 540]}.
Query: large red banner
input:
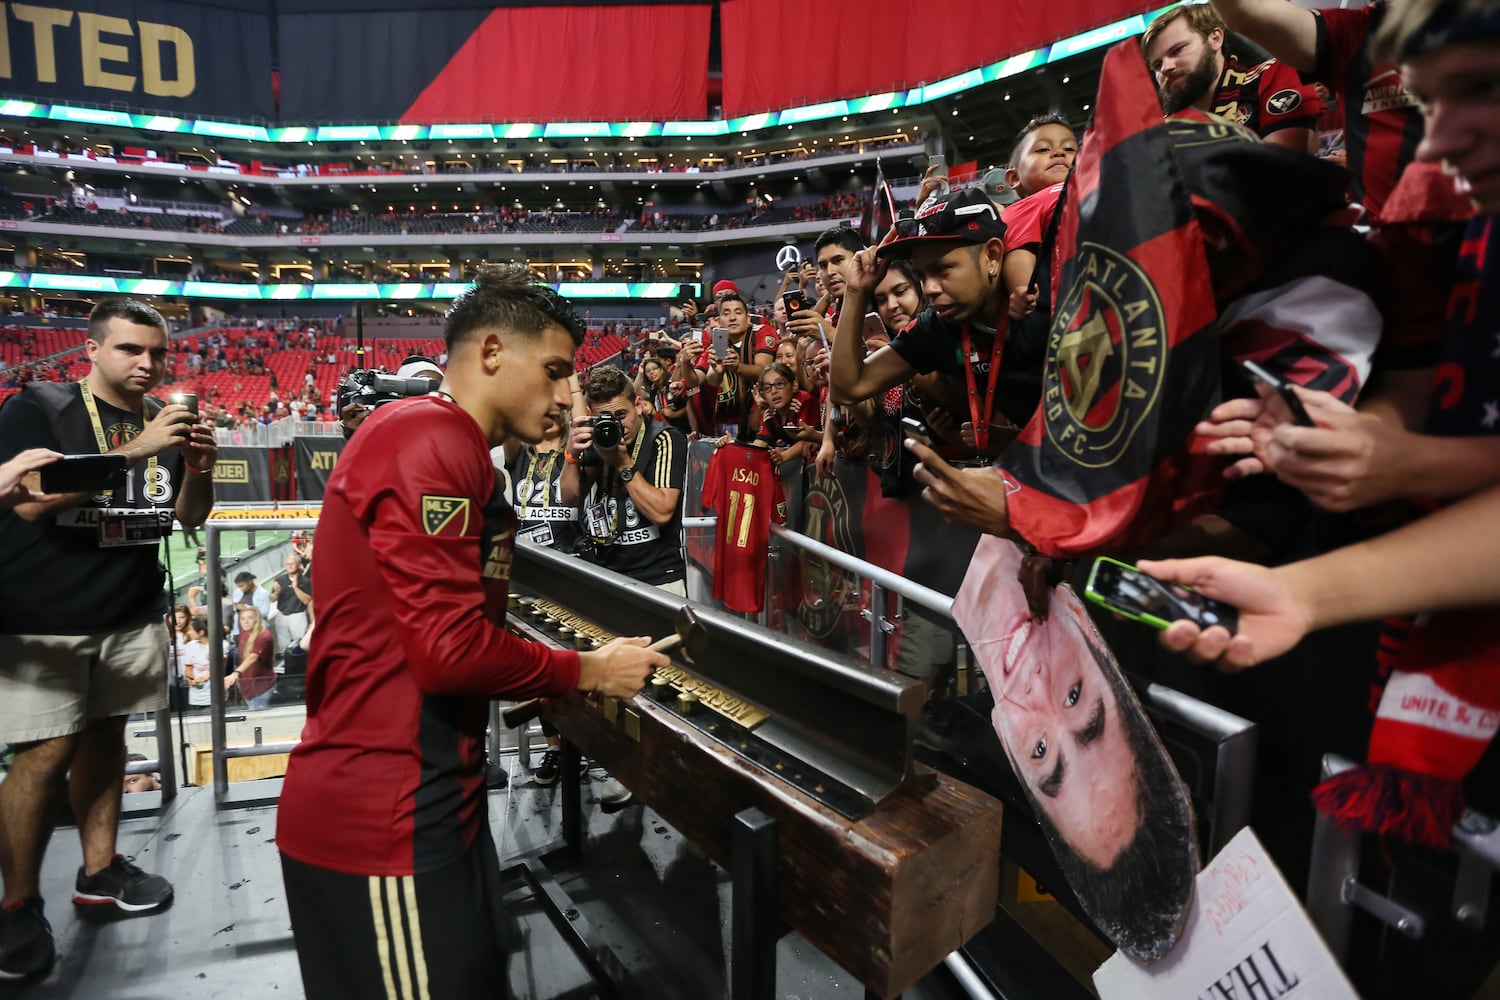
{"type": "Point", "coordinates": [785, 53]}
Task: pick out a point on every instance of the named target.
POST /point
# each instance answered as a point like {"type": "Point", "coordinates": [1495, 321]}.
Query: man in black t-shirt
{"type": "Point", "coordinates": [291, 589]}
{"type": "Point", "coordinates": [631, 496]}
{"type": "Point", "coordinates": [957, 244]}
{"type": "Point", "coordinates": [82, 644]}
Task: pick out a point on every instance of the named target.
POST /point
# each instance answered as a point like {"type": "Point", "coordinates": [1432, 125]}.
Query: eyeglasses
{"type": "Point", "coordinates": [772, 386]}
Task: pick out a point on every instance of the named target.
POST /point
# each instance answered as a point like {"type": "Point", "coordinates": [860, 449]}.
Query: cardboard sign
{"type": "Point", "coordinates": [1247, 938]}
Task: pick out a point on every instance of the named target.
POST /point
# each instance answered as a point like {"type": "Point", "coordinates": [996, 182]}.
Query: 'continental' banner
{"type": "Point", "coordinates": [266, 514]}
{"type": "Point", "coordinates": [315, 460]}
{"type": "Point", "coordinates": [176, 56]}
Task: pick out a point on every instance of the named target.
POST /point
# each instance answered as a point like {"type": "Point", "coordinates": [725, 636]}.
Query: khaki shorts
{"type": "Point", "coordinates": [51, 685]}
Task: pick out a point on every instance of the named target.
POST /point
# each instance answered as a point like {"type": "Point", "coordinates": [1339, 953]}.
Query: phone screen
{"type": "Point", "coordinates": [794, 302]}
{"type": "Point", "coordinates": [1144, 598]}
{"type": "Point", "coordinates": [83, 473]}
{"type": "Point", "coordinates": [721, 342]}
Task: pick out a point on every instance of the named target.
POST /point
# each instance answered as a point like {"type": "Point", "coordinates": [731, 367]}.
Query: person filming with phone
{"type": "Point", "coordinates": [82, 642]}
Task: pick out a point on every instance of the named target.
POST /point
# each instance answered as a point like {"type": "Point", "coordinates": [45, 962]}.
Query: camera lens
{"type": "Point", "coordinates": [608, 431]}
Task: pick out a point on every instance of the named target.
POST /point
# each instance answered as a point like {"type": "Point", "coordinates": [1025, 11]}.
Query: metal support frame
{"type": "Point", "coordinates": [217, 721]}
{"type": "Point", "coordinates": [755, 930]}
{"type": "Point", "coordinates": [572, 799]}
{"type": "Point", "coordinates": [575, 929]}
{"type": "Point", "coordinates": [1334, 891]}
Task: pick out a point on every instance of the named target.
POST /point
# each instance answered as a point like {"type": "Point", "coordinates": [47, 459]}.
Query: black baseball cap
{"type": "Point", "coordinates": [966, 216]}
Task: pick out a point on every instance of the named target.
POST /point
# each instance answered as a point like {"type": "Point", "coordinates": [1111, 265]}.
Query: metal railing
{"type": "Point", "coordinates": [1234, 740]}
{"type": "Point", "coordinates": [218, 722]}
{"type": "Point", "coordinates": [277, 433]}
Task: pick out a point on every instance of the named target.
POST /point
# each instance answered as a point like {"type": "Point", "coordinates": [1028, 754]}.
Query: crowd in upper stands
{"type": "Point", "coordinates": [479, 161]}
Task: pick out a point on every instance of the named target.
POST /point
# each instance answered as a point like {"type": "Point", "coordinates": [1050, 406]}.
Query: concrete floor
{"type": "Point", "coordinates": [661, 906]}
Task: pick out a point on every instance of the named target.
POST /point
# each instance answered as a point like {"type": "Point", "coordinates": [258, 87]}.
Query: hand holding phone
{"type": "Point", "coordinates": [1129, 592]}
{"type": "Point", "coordinates": [1282, 388]}
{"type": "Point", "coordinates": [916, 430]}
{"type": "Point", "coordinates": [84, 474]}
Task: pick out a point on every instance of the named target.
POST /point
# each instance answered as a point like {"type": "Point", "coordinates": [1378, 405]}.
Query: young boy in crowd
{"type": "Point", "coordinates": [1039, 163]}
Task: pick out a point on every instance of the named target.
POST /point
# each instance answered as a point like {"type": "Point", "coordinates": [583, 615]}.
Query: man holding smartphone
{"type": "Point", "coordinates": [82, 643]}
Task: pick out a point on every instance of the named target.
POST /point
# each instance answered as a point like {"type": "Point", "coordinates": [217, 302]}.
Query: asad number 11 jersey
{"type": "Point", "coordinates": [742, 487]}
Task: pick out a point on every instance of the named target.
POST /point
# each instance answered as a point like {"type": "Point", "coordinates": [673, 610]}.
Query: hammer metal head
{"type": "Point", "coordinates": [694, 636]}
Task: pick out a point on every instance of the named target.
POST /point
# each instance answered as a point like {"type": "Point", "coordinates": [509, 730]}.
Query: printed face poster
{"type": "Point", "coordinates": [1246, 937]}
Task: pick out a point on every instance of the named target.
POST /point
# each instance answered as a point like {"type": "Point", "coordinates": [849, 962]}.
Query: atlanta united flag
{"type": "Point", "coordinates": [1132, 359]}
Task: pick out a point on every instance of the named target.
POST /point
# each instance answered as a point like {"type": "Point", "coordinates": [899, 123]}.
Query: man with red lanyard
{"type": "Point", "coordinates": [957, 243]}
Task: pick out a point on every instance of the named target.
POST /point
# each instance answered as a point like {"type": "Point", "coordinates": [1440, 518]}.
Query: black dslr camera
{"type": "Point", "coordinates": [609, 431]}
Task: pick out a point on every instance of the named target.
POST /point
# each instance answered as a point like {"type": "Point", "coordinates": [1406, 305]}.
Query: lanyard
{"type": "Point", "coordinates": [548, 464]}
{"type": "Point", "coordinates": [88, 403]}
{"type": "Point", "coordinates": [982, 419]}
{"type": "Point", "coordinates": [635, 453]}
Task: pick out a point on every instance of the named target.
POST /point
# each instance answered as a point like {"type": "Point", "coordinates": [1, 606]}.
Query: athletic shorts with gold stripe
{"type": "Point", "coordinates": [436, 935]}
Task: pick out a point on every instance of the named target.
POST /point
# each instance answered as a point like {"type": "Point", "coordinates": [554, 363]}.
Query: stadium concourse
{"type": "Point", "coordinates": [943, 400]}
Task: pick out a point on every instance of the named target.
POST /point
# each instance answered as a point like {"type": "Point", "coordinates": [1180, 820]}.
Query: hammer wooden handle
{"type": "Point", "coordinates": [523, 712]}
{"type": "Point", "coordinates": [662, 645]}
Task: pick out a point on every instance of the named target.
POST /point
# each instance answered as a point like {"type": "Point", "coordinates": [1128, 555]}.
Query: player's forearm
{"type": "Point", "coordinates": [1445, 560]}
{"type": "Point", "coordinates": [453, 649]}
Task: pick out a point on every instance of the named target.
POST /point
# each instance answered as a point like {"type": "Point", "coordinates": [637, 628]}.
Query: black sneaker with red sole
{"type": "Point", "coordinates": [124, 886]}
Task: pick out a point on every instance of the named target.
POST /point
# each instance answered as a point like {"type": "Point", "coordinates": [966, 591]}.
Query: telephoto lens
{"type": "Point", "coordinates": [608, 431]}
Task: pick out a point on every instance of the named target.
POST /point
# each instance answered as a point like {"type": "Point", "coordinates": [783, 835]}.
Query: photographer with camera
{"type": "Point", "coordinates": [626, 475]}
{"type": "Point", "coordinates": [361, 391]}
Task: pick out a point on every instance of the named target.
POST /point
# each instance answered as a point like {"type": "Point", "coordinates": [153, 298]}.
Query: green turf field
{"type": "Point", "coordinates": [182, 555]}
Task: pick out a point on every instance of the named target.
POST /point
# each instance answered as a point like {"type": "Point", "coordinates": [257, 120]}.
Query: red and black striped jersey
{"type": "Point", "coordinates": [1382, 124]}
{"type": "Point", "coordinates": [414, 552]}
{"type": "Point", "coordinates": [1266, 98]}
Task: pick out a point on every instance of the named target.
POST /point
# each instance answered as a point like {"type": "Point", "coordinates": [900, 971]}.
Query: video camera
{"type": "Point", "coordinates": [368, 387]}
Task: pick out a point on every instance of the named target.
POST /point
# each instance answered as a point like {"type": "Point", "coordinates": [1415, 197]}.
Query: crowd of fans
{"type": "Point", "coordinates": [480, 161]}
{"type": "Point", "coordinates": [419, 219]}
{"type": "Point", "coordinates": [1364, 300]}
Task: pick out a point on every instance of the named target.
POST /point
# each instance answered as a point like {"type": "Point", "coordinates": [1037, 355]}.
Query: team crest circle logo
{"type": "Point", "coordinates": [1284, 102]}
{"type": "Point", "coordinates": [1106, 358]}
{"type": "Point", "coordinates": [119, 434]}
{"type": "Point", "coordinates": [828, 590]}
